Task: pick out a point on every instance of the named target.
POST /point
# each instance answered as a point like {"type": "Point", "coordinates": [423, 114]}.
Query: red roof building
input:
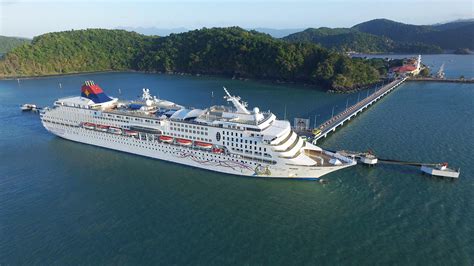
{"type": "Point", "coordinates": [404, 69]}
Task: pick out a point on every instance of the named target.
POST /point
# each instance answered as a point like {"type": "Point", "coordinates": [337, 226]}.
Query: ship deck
{"type": "Point", "coordinates": [320, 156]}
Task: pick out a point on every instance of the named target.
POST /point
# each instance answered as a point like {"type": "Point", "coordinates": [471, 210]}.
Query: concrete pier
{"type": "Point", "coordinates": [346, 115]}
{"type": "Point", "coordinates": [442, 80]}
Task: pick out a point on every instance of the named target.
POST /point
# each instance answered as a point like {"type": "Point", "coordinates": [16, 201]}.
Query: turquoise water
{"type": "Point", "coordinates": [68, 203]}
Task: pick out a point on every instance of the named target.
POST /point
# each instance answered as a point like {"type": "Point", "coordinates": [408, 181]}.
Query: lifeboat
{"type": "Point", "coordinates": [166, 139]}
{"type": "Point", "coordinates": [115, 130]}
{"type": "Point", "coordinates": [217, 150]}
{"type": "Point", "coordinates": [88, 125]}
{"type": "Point", "coordinates": [131, 133]}
{"type": "Point", "coordinates": [102, 128]}
{"type": "Point", "coordinates": [184, 142]}
{"type": "Point", "coordinates": [203, 145]}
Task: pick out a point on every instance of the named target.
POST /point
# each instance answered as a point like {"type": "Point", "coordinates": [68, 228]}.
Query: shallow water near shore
{"type": "Point", "coordinates": [69, 203]}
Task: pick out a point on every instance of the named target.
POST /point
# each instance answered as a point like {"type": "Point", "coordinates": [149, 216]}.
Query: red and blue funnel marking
{"type": "Point", "coordinates": [94, 92]}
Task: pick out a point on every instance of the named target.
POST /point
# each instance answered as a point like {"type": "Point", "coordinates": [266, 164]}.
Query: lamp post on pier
{"type": "Point", "coordinates": [332, 114]}
{"type": "Point", "coordinates": [315, 120]}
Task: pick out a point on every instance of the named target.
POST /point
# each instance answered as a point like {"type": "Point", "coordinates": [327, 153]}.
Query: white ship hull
{"type": "Point", "coordinates": [204, 158]}
{"type": "Point", "coordinates": [232, 141]}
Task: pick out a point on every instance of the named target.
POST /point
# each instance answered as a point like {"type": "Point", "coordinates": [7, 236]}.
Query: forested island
{"type": "Point", "coordinates": [232, 52]}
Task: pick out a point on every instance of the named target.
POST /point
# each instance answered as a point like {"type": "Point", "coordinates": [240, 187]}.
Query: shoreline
{"type": "Point", "coordinates": [414, 53]}
{"type": "Point", "coordinates": [276, 82]}
{"type": "Point", "coordinates": [64, 74]}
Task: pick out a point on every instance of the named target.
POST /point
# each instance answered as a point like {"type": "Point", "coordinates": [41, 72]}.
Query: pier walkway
{"type": "Point", "coordinates": [442, 80]}
{"type": "Point", "coordinates": [346, 115]}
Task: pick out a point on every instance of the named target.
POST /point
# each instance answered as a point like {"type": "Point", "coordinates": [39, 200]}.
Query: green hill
{"type": "Point", "coordinates": [386, 36]}
{"type": "Point", "coordinates": [451, 35]}
{"type": "Point", "coordinates": [391, 29]}
{"type": "Point", "coordinates": [75, 51]}
{"type": "Point", "coordinates": [343, 39]}
{"type": "Point", "coordinates": [223, 51]}
{"type": "Point", "coordinates": [8, 43]}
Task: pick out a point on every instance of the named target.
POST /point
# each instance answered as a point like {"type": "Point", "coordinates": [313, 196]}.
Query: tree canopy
{"type": "Point", "coordinates": [223, 51]}
{"type": "Point", "coordinates": [8, 43]}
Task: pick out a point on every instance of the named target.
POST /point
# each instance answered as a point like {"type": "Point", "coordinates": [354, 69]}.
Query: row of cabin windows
{"type": "Point", "coordinates": [250, 152]}
{"type": "Point", "coordinates": [235, 127]}
{"type": "Point", "coordinates": [179, 149]}
{"type": "Point", "coordinates": [259, 153]}
{"type": "Point", "coordinates": [245, 146]}
{"type": "Point", "coordinates": [189, 137]}
{"type": "Point", "coordinates": [111, 119]}
{"type": "Point", "coordinates": [189, 126]}
{"type": "Point", "coordinates": [124, 118]}
{"type": "Point", "coordinates": [173, 148]}
{"type": "Point", "coordinates": [231, 133]}
{"type": "Point", "coordinates": [241, 140]}
{"type": "Point", "coordinates": [189, 131]}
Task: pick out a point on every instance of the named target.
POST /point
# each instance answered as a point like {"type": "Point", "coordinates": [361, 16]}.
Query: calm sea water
{"type": "Point", "coordinates": [68, 203]}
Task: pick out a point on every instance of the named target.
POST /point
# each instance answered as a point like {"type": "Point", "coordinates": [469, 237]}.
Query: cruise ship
{"type": "Point", "coordinates": [228, 139]}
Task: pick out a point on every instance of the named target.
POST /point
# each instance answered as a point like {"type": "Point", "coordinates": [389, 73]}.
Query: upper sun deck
{"type": "Point", "coordinates": [222, 114]}
{"type": "Point", "coordinates": [236, 116]}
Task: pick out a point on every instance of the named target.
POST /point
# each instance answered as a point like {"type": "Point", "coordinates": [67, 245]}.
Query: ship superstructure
{"type": "Point", "coordinates": [225, 139]}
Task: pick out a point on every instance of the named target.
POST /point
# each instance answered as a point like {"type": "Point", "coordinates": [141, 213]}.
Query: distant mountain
{"type": "Point", "coordinates": [453, 24]}
{"type": "Point", "coordinates": [394, 30]}
{"type": "Point", "coordinates": [150, 31]}
{"type": "Point", "coordinates": [452, 35]}
{"type": "Point", "coordinates": [382, 35]}
{"type": "Point", "coordinates": [8, 43]}
{"type": "Point", "coordinates": [452, 38]}
{"type": "Point", "coordinates": [276, 33]}
{"type": "Point", "coordinates": [343, 39]}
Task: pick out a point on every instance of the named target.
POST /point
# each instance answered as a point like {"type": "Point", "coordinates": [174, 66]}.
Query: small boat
{"type": "Point", "coordinates": [440, 170]}
{"type": "Point", "coordinates": [28, 107]}
{"type": "Point", "coordinates": [203, 145]}
{"type": "Point", "coordinates": [131, 133]}
{"type": "Point", "coordinates": [115, 130]}
{"type": "Point", "coordinates": [102, 128]}
{"type": "Point", "coordinates": [217, 150]}
{"type": "Point", "coordinates": [88, 125]}
{"type": "Point", "coordinates": [184, 142]}
{"type": "Point", "coordinates": [166, 139]}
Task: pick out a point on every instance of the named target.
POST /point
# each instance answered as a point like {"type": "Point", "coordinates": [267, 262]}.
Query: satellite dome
{"type": "Point", "coordinates": [256, 110]}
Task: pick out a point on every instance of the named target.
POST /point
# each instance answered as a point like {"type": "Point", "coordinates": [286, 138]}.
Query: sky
{"type": "Point", "coordinates": [28, 18]}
